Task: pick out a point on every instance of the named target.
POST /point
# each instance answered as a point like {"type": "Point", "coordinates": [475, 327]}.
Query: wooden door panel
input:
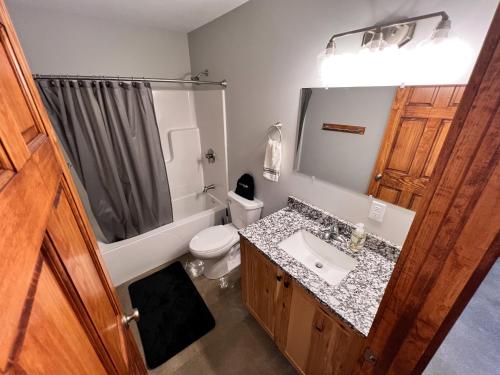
{"type": "Point", "coordinates": [444, 96]}
{"type": "Point", "coordinates": [400, 181]}
{"type": "Point", "coordinates": [387, 194]}
{"type": "Point", "coordinates": [422, 96]}
{"type": "Point", "coordinates": [25, 205]}
{"type": "Point", "coordinates": [416, 199]}
{"type": "Point", "coordinates": [425, 145]}
{"type": "Point", "coordinates": [55, 342]}
{"type": "Point", "coordinates": [442, 132]}
{"type": "Point", "coordinates": [406, 143]}
{"type": "Point", "coordinates": [14, 152]}
{"type": "Point", "coordinates": [418, 125]}
{"type": "Point", "coordinates": [65, 235]}
{"type": "Point", "coordinates": [13, 87]}
{"type": "Point", "coordinates": [457, 96]}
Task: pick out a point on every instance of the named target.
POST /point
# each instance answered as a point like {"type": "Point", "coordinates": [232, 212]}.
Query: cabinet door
{"type": "Point", "coordinates": [260, 285]}
{"type": "Point", "coordinates": [300, 328]}
{"type": "Point", "coordinates": [319, 360]}
{"type": "Point", "coordinates": [317, 343]}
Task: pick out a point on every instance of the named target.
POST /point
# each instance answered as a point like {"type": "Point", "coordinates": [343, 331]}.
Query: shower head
{"type": "Point", "coordinates": [197, 77]}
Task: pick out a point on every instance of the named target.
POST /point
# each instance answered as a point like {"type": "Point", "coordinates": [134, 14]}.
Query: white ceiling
{"type": "Point", "coordinates": [176, 15]}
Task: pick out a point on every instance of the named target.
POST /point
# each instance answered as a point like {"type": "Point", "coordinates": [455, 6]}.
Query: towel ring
{"type": "Point", "coordinates": [275, 128]}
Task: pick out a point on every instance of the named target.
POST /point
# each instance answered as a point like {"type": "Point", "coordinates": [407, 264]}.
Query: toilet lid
{"type": "Point", "coordinates": [214, 238]}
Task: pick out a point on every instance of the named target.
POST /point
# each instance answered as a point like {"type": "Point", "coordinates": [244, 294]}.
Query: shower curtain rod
{"type": "Point", "coordinates": [222, 83]}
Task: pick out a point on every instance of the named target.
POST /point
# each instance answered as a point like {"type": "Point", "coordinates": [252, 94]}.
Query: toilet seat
{"type": "Point", "coordinates": [214, 241]}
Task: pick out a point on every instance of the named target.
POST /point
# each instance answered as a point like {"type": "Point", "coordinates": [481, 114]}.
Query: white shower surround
{"type": "Point", "coordinates": [132, 257]}
{"type": "Point", "coordinates": [189, 122]}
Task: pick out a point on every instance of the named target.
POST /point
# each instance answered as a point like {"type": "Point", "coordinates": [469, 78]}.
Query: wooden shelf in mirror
{"type": "Point", "coordinates": [352, 129]}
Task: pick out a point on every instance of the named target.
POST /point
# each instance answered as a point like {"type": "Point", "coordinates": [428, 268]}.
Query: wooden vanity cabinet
{"type": "Point", "coordinates": [315, 341]}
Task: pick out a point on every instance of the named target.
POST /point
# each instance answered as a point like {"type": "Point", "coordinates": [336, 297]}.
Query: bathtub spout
{"type": "Point", "coordinates": [209, 187]}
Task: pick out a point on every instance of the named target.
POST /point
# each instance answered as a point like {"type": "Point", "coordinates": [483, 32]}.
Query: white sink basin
{"type": "Point", "coordinates": [323, 259]}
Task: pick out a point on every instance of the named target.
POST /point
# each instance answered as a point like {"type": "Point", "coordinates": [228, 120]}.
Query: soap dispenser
{"type": "Point", "coordinates": [358, 237]}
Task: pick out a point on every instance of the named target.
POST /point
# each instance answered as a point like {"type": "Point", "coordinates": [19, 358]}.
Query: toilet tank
{"type": "Point", "coordinates": [243, 211]}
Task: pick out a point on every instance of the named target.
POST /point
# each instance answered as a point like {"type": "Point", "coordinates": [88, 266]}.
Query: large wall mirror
{"type": "Point", "coordinates": [380, 141]}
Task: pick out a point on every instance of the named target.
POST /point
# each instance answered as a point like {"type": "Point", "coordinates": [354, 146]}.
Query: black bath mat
{"type": "Point", "coordinates": [172, 313]}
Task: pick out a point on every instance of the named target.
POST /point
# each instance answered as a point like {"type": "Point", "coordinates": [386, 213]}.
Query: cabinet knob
{"type": "Point", "coordinates": [126, 319]}
{"type": "Point", "coordinates": [279, 277]}
{"type": "Point", "coordinates": [286, 284]}
{"type": "Point", "coordinates": [378, 177]}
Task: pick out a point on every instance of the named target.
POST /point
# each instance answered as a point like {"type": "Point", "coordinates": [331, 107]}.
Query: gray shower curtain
{"type": "Point", "coordinates": [110, 134]}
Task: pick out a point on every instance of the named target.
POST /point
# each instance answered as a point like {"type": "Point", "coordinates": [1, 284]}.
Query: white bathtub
{"type": "Point", "coordinates": [129, 258]}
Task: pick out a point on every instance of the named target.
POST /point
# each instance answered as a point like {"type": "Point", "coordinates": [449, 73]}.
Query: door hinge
{"type": "Point", "coordinates": [369, 356]}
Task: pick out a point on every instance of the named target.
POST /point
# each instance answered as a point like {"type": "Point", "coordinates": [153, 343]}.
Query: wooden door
{"type": "Point", "coordinates": [418, 124]}
{"type": "Point", "coordinates": [261, 282]}
{"type": "Point", "coordinates": [59, 312]}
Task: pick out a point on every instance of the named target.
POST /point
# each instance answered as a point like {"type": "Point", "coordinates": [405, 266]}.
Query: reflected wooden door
{"type": "Point", "coordinates": [418, 125]}
{"type": "Point", "coordinates": [60, 315]}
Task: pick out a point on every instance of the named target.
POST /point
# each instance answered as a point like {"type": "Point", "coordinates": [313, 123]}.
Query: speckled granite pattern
{"type": "Point", "coordinates": [357, 297]}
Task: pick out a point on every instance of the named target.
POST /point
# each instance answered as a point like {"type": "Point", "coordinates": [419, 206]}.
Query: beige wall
{"type": "Point", "coordinates": [57, 43]}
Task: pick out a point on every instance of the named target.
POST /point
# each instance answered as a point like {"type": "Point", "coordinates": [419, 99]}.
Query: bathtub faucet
{"type": "Point", "coordinates": [209, 187]}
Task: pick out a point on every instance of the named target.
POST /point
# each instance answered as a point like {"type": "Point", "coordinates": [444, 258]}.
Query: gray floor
{"type": "Point", "coordinates": [473, 344]}
{"type": "Point", "coordinates": [237, 344]}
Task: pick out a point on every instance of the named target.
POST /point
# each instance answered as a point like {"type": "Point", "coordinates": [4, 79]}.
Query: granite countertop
{"type": "Point", "coordinates": [357, 297]}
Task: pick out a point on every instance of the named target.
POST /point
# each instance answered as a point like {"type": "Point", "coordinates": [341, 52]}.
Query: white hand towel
{"type": "Point", "coordinates": [272, 161]}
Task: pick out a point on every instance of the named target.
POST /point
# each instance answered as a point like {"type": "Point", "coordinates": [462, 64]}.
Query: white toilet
{"type": "Point", "coordinates": [218, 246]}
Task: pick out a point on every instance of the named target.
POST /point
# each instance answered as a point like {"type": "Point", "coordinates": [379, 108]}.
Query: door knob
{"type": "Point", "coordinates": [378, 177]}
{"type": "Point", "coordinates": [126, 319]}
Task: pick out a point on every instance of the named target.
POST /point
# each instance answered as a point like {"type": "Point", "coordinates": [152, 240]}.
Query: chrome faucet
{"type": "Point", "coordinates": [209, 187]}
{"type": "Point", "coordinates": [332, 233]}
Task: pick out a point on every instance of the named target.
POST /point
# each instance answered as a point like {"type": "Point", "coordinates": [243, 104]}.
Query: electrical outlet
{"type": "Point", "coordinates": [377, 211]}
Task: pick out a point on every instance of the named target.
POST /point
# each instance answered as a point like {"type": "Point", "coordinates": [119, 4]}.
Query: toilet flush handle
{"type": "Point", "coordinates": [126, 319]}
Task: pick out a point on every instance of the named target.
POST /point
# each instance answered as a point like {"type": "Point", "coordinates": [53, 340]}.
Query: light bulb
{"type": "Point", "coordinates": [441, 58]}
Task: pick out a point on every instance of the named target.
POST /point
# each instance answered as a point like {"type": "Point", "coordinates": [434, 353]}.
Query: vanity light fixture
{"type": "Point", "coordinates": [393, 33]}
{"type": "Point", "coordinates": [381, 53]}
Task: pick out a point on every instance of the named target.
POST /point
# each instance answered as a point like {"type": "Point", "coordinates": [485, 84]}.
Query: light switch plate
{"type": "Point", "coordinates": [377, 211]}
